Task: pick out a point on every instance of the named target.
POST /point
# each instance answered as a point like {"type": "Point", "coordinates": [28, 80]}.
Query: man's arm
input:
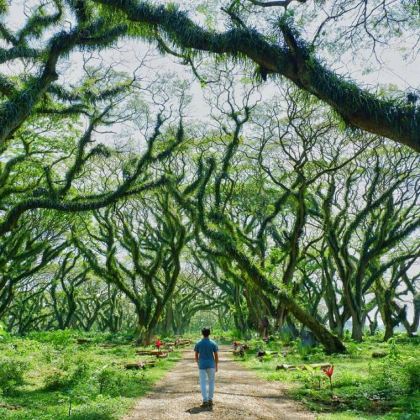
{"type": "Point", "coordinates": [216, 359]}
{"type": "Point", "coordinates": [196, 357]}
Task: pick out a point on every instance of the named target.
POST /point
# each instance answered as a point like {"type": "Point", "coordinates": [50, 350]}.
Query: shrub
{"type": "Point", "coordinates": [11, 374]}
{"type": "Point", "coordinates": [69, 375]}
{"type": "Point", "coordinates": [81, 372]}
{"type": "Point", "coordinates": [412, 370]}
{"type": "Point", "coordinates": [56, 338]}
{"type": "Point", "coordinates": [286, 337]}
{"type": "Point", "coordinates": [3, 333]}
{"type": "Point", "coordinates": [306, 351]}
{"type": "Point", "coordinates": [55, 380]}
{"type": "Point", "coordinates": [111, 381]}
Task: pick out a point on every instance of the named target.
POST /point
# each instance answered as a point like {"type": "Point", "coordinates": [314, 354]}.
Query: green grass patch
{"type": "Point", "coordinates": [363, 387]}
{"type": "Point", "coordinates": [51, 376]}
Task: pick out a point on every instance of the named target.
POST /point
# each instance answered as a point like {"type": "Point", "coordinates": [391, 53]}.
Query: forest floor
{"type": "Point", "coordinates": [239, 394]}
{"type": "Point", "coordinates": [373, 380]}
{"type": "Point", "coordinates": [50, 376]}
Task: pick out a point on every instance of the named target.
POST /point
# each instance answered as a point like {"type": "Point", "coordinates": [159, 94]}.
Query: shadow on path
{"type": "Point", "coordinates": [198, 410]}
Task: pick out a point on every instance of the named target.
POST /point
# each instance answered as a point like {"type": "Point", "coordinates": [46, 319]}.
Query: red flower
{"type": "Point", "coordinates": [158, 343]}
{"type": "Point", "coordinates": [329, 371]}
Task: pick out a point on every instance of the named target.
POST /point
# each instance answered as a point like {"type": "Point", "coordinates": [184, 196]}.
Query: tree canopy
{"type": "Point", "coordinates": [295, 199]}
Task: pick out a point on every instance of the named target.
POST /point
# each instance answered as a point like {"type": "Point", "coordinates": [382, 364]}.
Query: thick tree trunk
{"type": "Point", "coordinates": [357, 329]}
{"type": "Point", "coordinates": [413, 327]}
{"type": "Point", "coordinates": [6, 297]}
{"type": "Point", "coordinates": [387, 313]}
{"type": "Point", "coordinates": [239, 318]}
{"type": "Point", "coordinates": [339, 328]}
{"type": "Point", "coordinates": [373, 324]}
{"type": "Point", "coordinates": [281, 316]}
{"type": "Point", "coordinates": [239, 322]}
{"type": "Point", "coordinates": [383, 297]}
{"type": "Point", "coordinates": [292, 327]}
{"type": "Point", "coordinates": [144, 336]}
{"type": "Point", "coordinates": [169, 317]}
{"type": "Point", "coordinates": [389, 329]}
{"type": "Point", "coordinates": [144, 332]}
{"type": "Point", "coordinates": [331, 343]}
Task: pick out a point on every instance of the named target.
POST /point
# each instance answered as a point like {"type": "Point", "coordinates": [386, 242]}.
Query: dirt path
{"type": "Point", "coordinates": [239, 395]}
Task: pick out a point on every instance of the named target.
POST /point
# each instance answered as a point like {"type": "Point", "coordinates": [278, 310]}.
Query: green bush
{"type": "Point", "coordinates": [56, 380]}
{"type": "Point", "coordinates": [11, 374]}
{"type": "Point", "coordinates": [412, 370]}
{"type": "Point", "coordinates": [307, 352]}
{"type": "Point", "coordinates": [388, 381]}
{"type": "Point", "coordinates": [67, 376]}
{"type": "Point", "coordinates": [111, 381]}
{"type": "Point", "coordinates": [57, 338]}
{"type": "Point", "coordinates": [3, 333]}
{"type": "Point", "coordinates": [81, 372]}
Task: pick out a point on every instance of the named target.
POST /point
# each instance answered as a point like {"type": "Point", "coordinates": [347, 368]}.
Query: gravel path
{"type": "Point", "coordinates": [239, 394]}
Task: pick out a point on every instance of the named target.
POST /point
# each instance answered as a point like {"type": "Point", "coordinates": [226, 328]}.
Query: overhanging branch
{"type": "Point", "coordinates": [358, 107]}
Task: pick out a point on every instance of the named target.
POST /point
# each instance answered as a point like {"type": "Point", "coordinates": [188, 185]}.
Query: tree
{"type": "Point", "coordinates": [137, 247]}
{"type": "Point", "coordinates": [98, 24]}
{"type": "Point", "coordinates": [27, 251]}
{"type": "Point", "coordinates": [51, 160]}
{"type": "Point", "coordinates": [360, 229]}
{"type": "Point", "coordinates": [64, 289]}
{"type": "Point", "coordinates": [207, 201]}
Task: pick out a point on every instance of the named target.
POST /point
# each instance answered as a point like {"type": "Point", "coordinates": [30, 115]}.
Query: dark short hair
{"type": "Point", "coordinates": [205, 331]}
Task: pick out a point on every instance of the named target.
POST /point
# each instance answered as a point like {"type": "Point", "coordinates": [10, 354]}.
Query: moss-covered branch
{"type": "Point", "coordinates": [293, 60]}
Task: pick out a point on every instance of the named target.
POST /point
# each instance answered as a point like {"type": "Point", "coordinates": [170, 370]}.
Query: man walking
{"type": "Point", "coordinates": [207, 358]}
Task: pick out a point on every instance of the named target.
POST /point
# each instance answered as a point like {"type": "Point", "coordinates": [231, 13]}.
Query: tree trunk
{"type": "Point", "coordinates": [357, 329]}
{"type": "Point", "coordinates": [383, 297]}
{"type": "Point", "coordinates": [144, 336]}
{"type": "Point", "coordinates": [413, 327]}
{"type": "Point", "coordinates": [281, 316]}
{"type": "Point", "coordinates": [331, 343]}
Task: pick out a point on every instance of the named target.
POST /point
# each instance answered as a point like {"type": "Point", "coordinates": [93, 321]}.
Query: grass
{"type": "Point", "coordinates": [363, 387]}
{"type": "Point", "coordinates": [50, 376]}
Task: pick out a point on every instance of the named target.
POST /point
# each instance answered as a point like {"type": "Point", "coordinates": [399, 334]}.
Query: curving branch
{"type": "Point", "coordinates": [18, 108]}
{"type": "Point", "coordinates": [358, 107]}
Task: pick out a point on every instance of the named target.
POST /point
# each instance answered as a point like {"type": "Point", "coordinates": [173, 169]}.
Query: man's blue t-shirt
{"type": "Point", "coordinates": [205, 349]}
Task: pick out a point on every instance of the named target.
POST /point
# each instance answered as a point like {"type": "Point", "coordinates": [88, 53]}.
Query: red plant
{"type": "Point", "coordinates": [158, 343]}
{"type": "Point", "coordinates": [329, 372]}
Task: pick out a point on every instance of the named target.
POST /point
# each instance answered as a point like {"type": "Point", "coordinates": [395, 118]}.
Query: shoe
{"type": "Point", "coordinates": [210, 403]}
{"type": "Point", "coordinates": [204, 404]}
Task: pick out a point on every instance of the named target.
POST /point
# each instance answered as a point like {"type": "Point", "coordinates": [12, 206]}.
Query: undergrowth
{"type": "Point", "coordinates": [363, 386]}
{"type": "Point", "coordinates": [50, 376]}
